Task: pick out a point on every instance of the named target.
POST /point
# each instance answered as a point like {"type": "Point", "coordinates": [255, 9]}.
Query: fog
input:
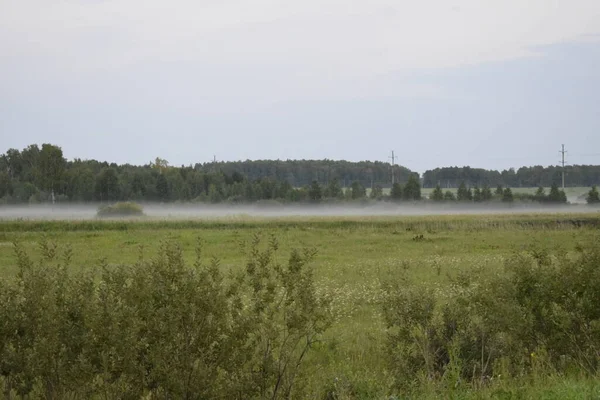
{"type": "Point", "coordinates": [204, 211]}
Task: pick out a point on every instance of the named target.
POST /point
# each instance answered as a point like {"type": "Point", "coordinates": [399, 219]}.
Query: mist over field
{"type": "Point", "coordinates": [200, 211]}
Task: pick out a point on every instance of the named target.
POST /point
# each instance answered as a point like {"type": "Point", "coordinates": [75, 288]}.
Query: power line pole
{"type": "Point", "coordinates": [563, 165]}
{"type": "Point", "coordinates": [393, 157]}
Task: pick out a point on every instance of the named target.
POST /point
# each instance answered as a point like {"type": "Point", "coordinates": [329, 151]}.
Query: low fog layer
{"type": "Point", "coordinates": [203, 211]}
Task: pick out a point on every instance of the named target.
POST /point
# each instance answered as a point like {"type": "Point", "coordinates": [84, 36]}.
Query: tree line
{"type": "Point", "coordinates": [42, 174]}
{"type": "Point", "coordinates": [451, 177]}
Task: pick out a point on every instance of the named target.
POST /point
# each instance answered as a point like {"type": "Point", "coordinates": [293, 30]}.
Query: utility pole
{"type": "Point", "coordinates": [563, 165]}
{"type": "Point", "coordinates": [393, 157]}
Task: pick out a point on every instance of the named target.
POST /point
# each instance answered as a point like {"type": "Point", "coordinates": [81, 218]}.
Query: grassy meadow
{"type": "Point", "coordinates": [356, 258]}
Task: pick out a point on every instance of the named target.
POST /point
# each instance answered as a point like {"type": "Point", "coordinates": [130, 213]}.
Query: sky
{"type": "Point", "coordinates": [486, 83]}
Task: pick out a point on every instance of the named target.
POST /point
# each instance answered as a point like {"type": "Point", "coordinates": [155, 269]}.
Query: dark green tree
{"type": "Point", "coordinates": [162, 188]}
{"type": "Point", "coordinates": [80, 184]}
{"type": "Point", "coordinates": [412, 189]}
{"type": "Point", "coordinates": [464, 194]}
{"type": "Point", "coordinates": [51, 166]}
{"type": "Point", "coordinates": [314, 192]}
{"type": "Point", "coordinates": [334, 190]}
{"type": "Point", "coordinates": [376, 193]}
{"type": "Point", "coordinates": [507, 196]}
{"type": "Point", "coordinates": [396, 192]}
{"type": "Point", "coordinates": [540, 195]}
{"type": "Point", "coordinates": [449, 196]}
{"type": "Point", "coordinates": [563, 197]}
{"type": "Point", "coordinates": [499, 191]}
{"type": "Point", "coordinates": [30, 164]}
{"type": "Point", "coordinates": [477, 196]}
{"type": "Point", "coordinates": [5, 184]}
{"type": "Point", "coordinates": [214, 195]}
{"type": "Point", "coordinates": [26, 192]}
{"type": "Point", "coordinates": [437, 194]}
{"type": "Point", "coordinates": [358, 191]}
{"type": "Point", "coordinates": [486, 193]}
{"type": "Point", "coordinates": [593, 197]}
{"type": "Point", "coordinates": [556, 195]}
{"type": "Point", "coordinates": [107, 185]}
{"type": "Point", "coordinates": [14, 163]}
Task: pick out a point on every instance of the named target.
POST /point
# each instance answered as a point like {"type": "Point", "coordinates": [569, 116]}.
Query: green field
{"type": "Point", "coordinates": [355, 259]}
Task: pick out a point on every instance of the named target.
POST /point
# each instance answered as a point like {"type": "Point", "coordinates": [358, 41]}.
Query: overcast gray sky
{"type": "Point", "coordinates": [491, 84]}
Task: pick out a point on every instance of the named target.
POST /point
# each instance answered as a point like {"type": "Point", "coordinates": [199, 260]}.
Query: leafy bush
{"type": "Point", "coordinates": [542, 311]}
{"type": "Point", "coordinates": [159, 328]}
{"type": "Point", "coordinates": [121, 209]}
{"type": "Point", "coordinates": [593, 197]}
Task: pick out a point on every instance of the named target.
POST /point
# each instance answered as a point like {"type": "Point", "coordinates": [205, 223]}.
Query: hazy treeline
{"type": "Point", "coordinates": [41, 174]}
{"type": "Point", "coordinates": [36, 174]}
{"type": "Point", "coordinates": [303, 172]}
{"type": "Point", "coordinates": [575, 175]}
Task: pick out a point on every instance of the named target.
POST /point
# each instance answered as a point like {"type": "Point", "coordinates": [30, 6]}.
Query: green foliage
{"type": "Point", "coordinates": [486, 193]}
{"type": "Point", "coordinates": [159, 328]}
{"type": "Point", "coordinates": [412, 189]}
{"type": "Point", "coordinates": [247, 181]}
{"type": "Point", "coordinates": [80, 183]}
{"type": "Point", "coordinates": [438, 253]}
{"type": "Point", "coordinates": [376, 193]}
{"type": "Point", "coordinates": [334, 190]}
{"type": "Point", "coordinates": [51, 164]}
{"type": "Point", "coordinates": [464, 194]}
{"type": "Point", "coordinates": [540, 195]}
{"type": "Point", "coordinates": [121, 209]}
{"type": "Point", "coordinates": [437, 194]}
{"type": "Point", "coordinates": [499, 191]}
{"type": "Point", "coordinates": [593, 197]}
{"type": "Point", "coordinates": [449, 196]}
{"type": "Point", "coordinates": [507, 196]}
{"type": "Point", "coordinates": [358, 191]}
{"type": "Point", "coordinates": [24, 192]}
{"type": "Point", "coordinates": [540, 313]}
{"type": "Point", "coordinates": [107, 185]}
{"type": "Point", "coordinates": [534, 176]}
{"type": "Point", "coordinates": [556, 195]}
{"type": "Point", "coordinates": [314, 192]}
{"type": "Point", "coordinates": [396, 192]}
{"type": "Point", "coordinates": [477, 196]}
{"type": "Point", "coordinates": [162, 188]}
{"type": "Point", "coordinates": [5, 184]}
{"type": "Point", "coordinates": [241, 182]}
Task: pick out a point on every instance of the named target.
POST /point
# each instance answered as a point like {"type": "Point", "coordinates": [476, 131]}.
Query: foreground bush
{"type": "Point", "coordinates": [159, 328]}
{"type": "Point", "coordinates": [121, 209]}
{"type": "Point", "coordinates": [541, 313]}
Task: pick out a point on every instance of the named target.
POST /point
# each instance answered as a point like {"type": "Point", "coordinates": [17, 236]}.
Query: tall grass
{"type": "Point", "coordinates": [422, 223]}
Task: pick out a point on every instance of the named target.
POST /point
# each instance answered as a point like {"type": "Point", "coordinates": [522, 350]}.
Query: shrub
{"type": "Point", "coordinates": [121, 209]}
{"type": "Point", "coordinates": [593, 197]}
{"type": "Point", "coordinates": [449, 196]}
{"type": "Point", "coordinates": [437, 194]}
{"type": "Point", "coordinates": [507, 196]}
{"type": "Point", "coordinates": [541, 311]}
{"type": "Point", "coordinates": [160, 328]}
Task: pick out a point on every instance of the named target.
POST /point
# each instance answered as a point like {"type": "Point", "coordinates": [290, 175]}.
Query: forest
{"type": "Point", "coordinates": [535, 176]}
{"type": "Point", "coordinates": [41, 174]}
